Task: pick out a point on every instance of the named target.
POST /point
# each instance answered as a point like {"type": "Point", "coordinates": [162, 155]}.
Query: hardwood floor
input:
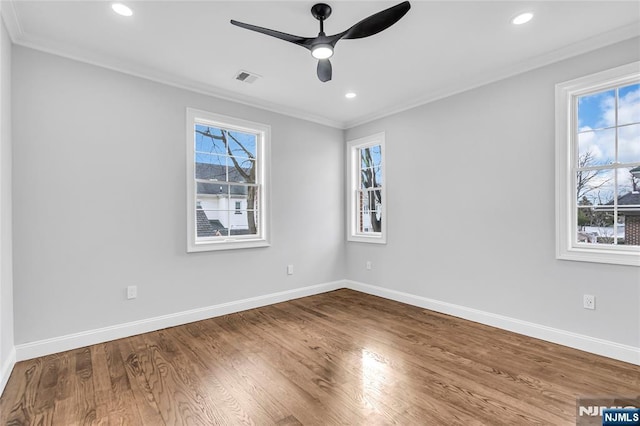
{"type": "Point", "coordinates": [337, 358]}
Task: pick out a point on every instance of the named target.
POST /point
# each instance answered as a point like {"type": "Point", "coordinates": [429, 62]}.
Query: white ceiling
{"type": "Point", "coordinates": [438, 48]}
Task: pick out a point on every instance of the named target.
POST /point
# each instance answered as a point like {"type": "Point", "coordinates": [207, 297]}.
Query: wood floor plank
{"type": "Point", "coordinates": [255, 373]}
{"type": "Point", "coordinates": [231, 375]}
{"type": "Point", "coordinates": [380, 358]}
{"type": "Point", "coordinates": [17, 404]}
{"type": "Point", "coordinates": [140, 389]}
{"type": "Point", "coordinates": [114, 400]}
{"type": "Point", "coordinates": [341, 357]}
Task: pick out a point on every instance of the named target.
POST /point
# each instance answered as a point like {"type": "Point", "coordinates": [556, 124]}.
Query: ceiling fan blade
{"type": "Point", "coordinates": [300, 41]}
{"type": "Point", "coordinates": [377, 22]}
{"type": "Point", "coordinates": [324, 70]}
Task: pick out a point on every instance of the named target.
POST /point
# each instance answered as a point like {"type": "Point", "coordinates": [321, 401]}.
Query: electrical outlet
{"type": "Point", "coordinates": [368, 265]}
{"type": "Point", "coordinates": [289, 269]}
{"type": "Point", "coordinates": [589, 301]}
{"type": "Point", "coordinates": [132, 292]}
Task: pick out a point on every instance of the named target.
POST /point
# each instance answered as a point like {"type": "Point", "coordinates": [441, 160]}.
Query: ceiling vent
{"type": "Point", "coordinates": [246, 76]}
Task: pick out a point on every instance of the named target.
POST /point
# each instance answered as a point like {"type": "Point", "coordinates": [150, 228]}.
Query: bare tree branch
{"type": "Point", "coordinates": [585, 177]}
{"type": "Point", "coordinates": [241, 146]}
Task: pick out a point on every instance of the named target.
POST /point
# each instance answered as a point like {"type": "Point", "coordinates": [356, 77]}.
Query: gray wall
{"type": "Point", "coordinates": [99, 204]}
{"type": "Point", "coordinates": [471, 208]}
{"type": "Point", "coordinates": [6, 279]}
{"type": "Point", "coordinates": [100, 193]}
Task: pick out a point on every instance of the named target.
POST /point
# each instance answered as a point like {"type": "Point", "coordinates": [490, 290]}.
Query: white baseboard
{"type": "Point", "coordinates": [6, 368]}
{"type": "Point", "coordinates": [91, 337]}
{"type": "Point", "coordinates": [593, 345]}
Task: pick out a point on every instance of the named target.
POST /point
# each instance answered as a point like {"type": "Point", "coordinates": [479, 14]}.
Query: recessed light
{"type": "Point", "coordinates": [121, 9]}
{"type": "Point", "coordinates": [523, 18]}
{"type": "Point", "coordinates": [350, 95]}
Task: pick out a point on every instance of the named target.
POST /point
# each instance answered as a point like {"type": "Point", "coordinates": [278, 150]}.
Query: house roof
{"type": "Point", "coordinates": [205, 228]}
{"type": "Point", "coordinates": [630, 198]}
{"type": "Point", "coordinates": [627, 203]}
{"type": "Point", "coordinates": [217, 176]}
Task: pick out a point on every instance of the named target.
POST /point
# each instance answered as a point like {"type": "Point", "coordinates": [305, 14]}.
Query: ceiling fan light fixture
{"type": "Point", "coordinates": [322, 51]}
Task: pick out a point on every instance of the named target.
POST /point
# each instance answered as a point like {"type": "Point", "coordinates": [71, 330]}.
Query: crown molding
{"type": "Point", "coordinates": [9, 15]}
{"type": "Point", "coordinates": [19, 37]}
{"type": "Point", "coordinates": [148, 73]}
{"type": "Point", "coordinates": [584, 46]}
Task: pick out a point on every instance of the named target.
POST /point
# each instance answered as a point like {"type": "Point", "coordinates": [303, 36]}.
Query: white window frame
{"type": "Point", "coordinates": [567, 93]}
{"type": "Point", "coordinates": [353, 184]}
{"type": "Point", "coordinates": [263, 142]}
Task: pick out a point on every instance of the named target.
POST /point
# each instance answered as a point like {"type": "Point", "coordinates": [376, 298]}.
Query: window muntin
{"type": "Point", "coordinates": [608, 132]}
{"type": "Point", "coordinates": [598, 167]}
{"type": "Point", "coordinates": [369, 193]}
{"type": "Point", "coordinates": [366, 204]}
{"type": "Point", "coordinates": [226, 182]}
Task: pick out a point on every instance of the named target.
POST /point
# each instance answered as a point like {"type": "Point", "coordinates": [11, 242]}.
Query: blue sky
{"type": "Point", "coordinates": [597, 112]}
{"type": "Point", "coordinates": [597, 136]}
{"type": "Point", "coordinates": [206, 144]}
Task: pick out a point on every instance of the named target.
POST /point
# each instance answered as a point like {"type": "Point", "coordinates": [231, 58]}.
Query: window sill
{"type": "Point", "coordinates": [227, 244]}
{"type": "Point", "coordinates": [615, 257]}
{"type": "Point", "coordinates": [377, 239]}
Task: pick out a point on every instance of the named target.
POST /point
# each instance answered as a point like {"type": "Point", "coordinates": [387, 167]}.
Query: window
{"type": "Point", "coordinates": [366, 190]}
{"type": "Point", "coordinates": [598, 167]}
{"type": "Point", "coordinates": [227, 161]}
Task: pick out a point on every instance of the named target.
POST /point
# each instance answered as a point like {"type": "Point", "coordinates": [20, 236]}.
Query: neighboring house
{"type": "Point", "coordinates": [629, 207]}
{"type": "Point", "coordinates": [220, 206]}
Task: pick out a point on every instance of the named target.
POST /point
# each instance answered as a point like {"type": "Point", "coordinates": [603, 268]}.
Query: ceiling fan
{"type": "Point", "coordinates": [321, 47]}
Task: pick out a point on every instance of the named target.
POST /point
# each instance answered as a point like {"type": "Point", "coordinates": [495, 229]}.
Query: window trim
{"type": "Point", "coordinates": [567, 247]}
{"type": "Point", "coordinates": [353, 169]}
{"type": "Point", "coordinates": [263, 143]}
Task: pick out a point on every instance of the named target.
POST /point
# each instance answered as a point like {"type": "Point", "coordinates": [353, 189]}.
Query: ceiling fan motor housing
{"type": "Point", "coordinates": [321, 11]}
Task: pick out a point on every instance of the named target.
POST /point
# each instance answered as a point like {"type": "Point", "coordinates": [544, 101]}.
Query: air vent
{"type": "Point", "coordinates": [246, 76]}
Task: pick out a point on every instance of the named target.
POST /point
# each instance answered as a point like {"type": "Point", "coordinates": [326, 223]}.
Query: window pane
{"type": "Point", "coordinates": [586, 233]}
{"type": "Point", "coordinates": [629, 205]}
{"type": "Point", "coordinates": [371, 156]}
{"type": "Point", "coordinates": [245, 223]}
{"type": "Point", "coordinates": [242, 145]}
{"type": "Point", "coordinates": [205, 188]}
{"type": "Point", "coordinates": [209, 139]}
{"type": "Point", "coordinates": [596, 226]}
{"type": "Point", "coordinates": [629, 143]}
{"type": "Point", "coordinates": [629, 104]}
{"type": "Point", "coordinates": [596, 148]}
{"type": "Point", "coordinates": [211, 167]}
{"type": "Point", "coordinates": [251, 200]}
{"type": "Point", "coordinates": [242, 170]}
{"type": "Point", "coordinates": [369, 213]}
{"type": "Point", "coordinates": [595, 187]}
{"type": "Point", "coordinates": [629, 185]}
{"type": "Point", "coordinates": [630, 228]}
{"type": "Point", "coordinates": [211, 223]}
{"type": "Point", "coordinates": [596, 207]}
{"type": "Point", "coordinates": [371, 177]}
{"type": "Point", "coordinates": [221, 192]}
{"type": "Point", "coordinates": [596, 111]}
{"type": "Point", "coordinates": [369, 200]}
